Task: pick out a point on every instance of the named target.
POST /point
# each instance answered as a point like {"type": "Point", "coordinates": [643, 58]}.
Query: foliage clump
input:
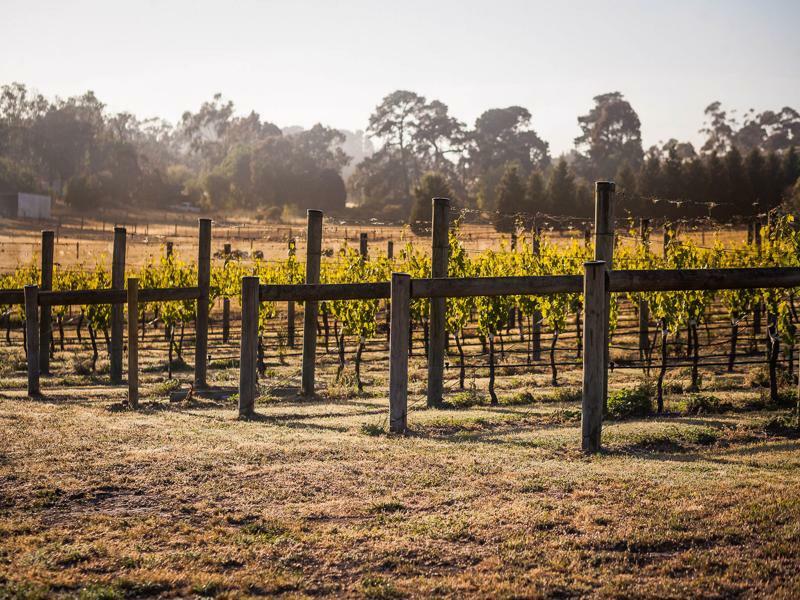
{"type": "Point", "coordinates": [630, 402]}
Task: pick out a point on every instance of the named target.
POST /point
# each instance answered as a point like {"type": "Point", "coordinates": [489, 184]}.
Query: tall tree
{"type": "Point", "coordinates": [431, 185]}
{"type": "Point", "coordinates": [649, 182]}
{"type": "Point", "coordinates": [510, 200]}
{"type": "Point", "coordinates": [438, 135]}
{"type": "Point", "coordinates": [719, 129]}
{"type": "Point", "coordinates": [395, 121]}
{"type": "Point", "coordinates": [535, 194]}
{"type": "Point", "coordinates": [782, 129]}
{"type": "Point", "coordinates": [502, 136]}
{"type": "Point", "coordinates": [739, 198]}
{"type": "Point", "coordinates": [611, 135]}
{"type": "Point", "coordinates": [773, 192]}
{"type": "Point", "coordinates": [561, 190]}
{"type": "Point", "coordinates": [754, 166]}
{"type": "Point", "coordinates": [718, 188]}
{"type": "Point", "coordinates": [695, 184]}
{"type": "Point", "coordinates": [627, 190]}
{"type": "Point", "coordinates": [380, 179]}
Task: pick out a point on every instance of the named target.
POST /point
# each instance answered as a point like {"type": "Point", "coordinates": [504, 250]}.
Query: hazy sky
{"type": "Point", "coordinates": [297, 63]}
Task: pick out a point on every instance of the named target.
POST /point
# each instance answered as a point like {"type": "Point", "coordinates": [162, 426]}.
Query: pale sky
{"type": "Point", "coordinates": [302, 62]}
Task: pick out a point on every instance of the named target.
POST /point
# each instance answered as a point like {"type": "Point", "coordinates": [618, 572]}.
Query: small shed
{"type": "Point", "coordinates": [25, 206]}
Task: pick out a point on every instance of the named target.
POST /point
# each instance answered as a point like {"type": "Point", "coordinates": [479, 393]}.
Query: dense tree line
{"type": "Point", "coordinates": [502, 166]}
{"type": "Point", "coordinates": [212, 158]}
{"type": "Point", "coordinates": [216, 159]}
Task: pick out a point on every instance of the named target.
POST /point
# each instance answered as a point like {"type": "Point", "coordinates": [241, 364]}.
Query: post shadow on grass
{"type": "Point", "coordinates": [291, 421]}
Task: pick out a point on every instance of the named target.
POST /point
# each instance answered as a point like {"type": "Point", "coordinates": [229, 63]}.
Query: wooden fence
{"type": "Point", "coordinates": [37, 301]}
{"type": "Point", "coordinates": [596, 284]}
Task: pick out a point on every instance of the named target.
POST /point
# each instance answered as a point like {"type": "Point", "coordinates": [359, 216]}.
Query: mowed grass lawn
{"type": "Point", "coordinates": [312, 499]}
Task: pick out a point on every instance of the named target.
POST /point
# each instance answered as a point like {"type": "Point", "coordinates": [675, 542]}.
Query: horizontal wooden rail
{"type": "Point", "coordinates": [673, 280]}
{"type": "Point", "coordinates": [534, 285]}
{"type": "Point", "coordinates": [12, 297]}
{"type": "Point", "coordinates": [324, 291]}
{"type": "Point", "coordinates": [427, 288]}
{"type": "Point", "coordinates": [105, 296]}
{"type": "Point", "coordinates": [655, 280]}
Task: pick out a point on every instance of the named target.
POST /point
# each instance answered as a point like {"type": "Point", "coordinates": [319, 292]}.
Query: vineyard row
{"type": "Point", "coordinates": [541, 281]}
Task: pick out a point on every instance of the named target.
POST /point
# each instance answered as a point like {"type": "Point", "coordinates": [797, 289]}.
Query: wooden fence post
{"type": "Point", "coordinates": [398, 352]}
{"type": "Point", "coordinates": [313, 258]}
{"type": "Point", "coordinates": [248, 347]}
{"type": "Point", "coordinates": [644, 308]}
{"type": "Point", "coordinates": [201, 318]}
{"type": "Point", "coordinates": [757, 305]}
{"type": "Point", "coordinates": [290, 309]}
{"type": "Point", "coordinates": [133, 342]}
{"type": "Point", "coordinates": [45, 320]}
{"type": "Point", "coordinates": [226, 304]}
{"type": "Point", "coordinates": [117, 283]}
{"type": "Point", "coordinates": [32, 338]}
{"type": "Point", "coordinates": [363, 247]}
{"type": "Point", "coordinates": [390, 256]}
{"type": "Point", "coordinates": [169, 249]}
{"type": "Point", "coordinates": [594, 349]}
{"type": "Point", "coordinates": [604, 251]}
{"type": "Point", "coordinates": [536, 334]}
{"type": "Point", "coordinates": [668, 235]}
{"type": "Point", "coordinates": [438, 319]}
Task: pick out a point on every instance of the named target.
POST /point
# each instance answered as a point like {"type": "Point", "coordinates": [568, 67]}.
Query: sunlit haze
{"type": "Point", "coordinates": [298, 63]}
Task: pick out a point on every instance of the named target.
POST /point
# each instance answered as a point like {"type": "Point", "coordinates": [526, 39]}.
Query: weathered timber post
{"type": "Point", "coordinates": [45, 320]}
{"type": "Point", "coordinates": [757, 306]}
{"type": "Point", "coordinates": [669, 234]}
{"type": "Point", "coordinates": [169, 249]}
{"type": "Point", "coordinates": [226, 303]}
{"type": "Point", "coordinates": [201, 318]}
{"type": "Point", "coordinates": [248, 347]}
{"type": "Point", "coordinates": [32, 338]}
{"type": "Point", "coordinates": [604, 251]}
{"type": "Point", "coordinates": [390, 256]}
{"type": "Point", "coordinates": [438, 323]}
{"type": "Point", "coordinates": [594, 349]}
{"type": "Point", "coordinates": [117, 283]}
{"type": "Point", "coordinates": [133, 342]}
{"type": "Point", "coordinates": [644, 308]}
{"type": "Point", "coordinates": [398, 352]}
{"type": "Point", "coordinates": [536, 334]}
{"type": "Point", "coordinates": [311, 311]}
{"type": "Point", "coordinates": [363, 248]}
{"type": "Point", "coordinates": [290, 308]}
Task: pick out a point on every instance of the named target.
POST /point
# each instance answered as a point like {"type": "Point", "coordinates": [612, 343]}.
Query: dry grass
{"type": "Point", "coordinates": [314, 499]}
{"type": "Point", "coordinates": [90, 239]}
